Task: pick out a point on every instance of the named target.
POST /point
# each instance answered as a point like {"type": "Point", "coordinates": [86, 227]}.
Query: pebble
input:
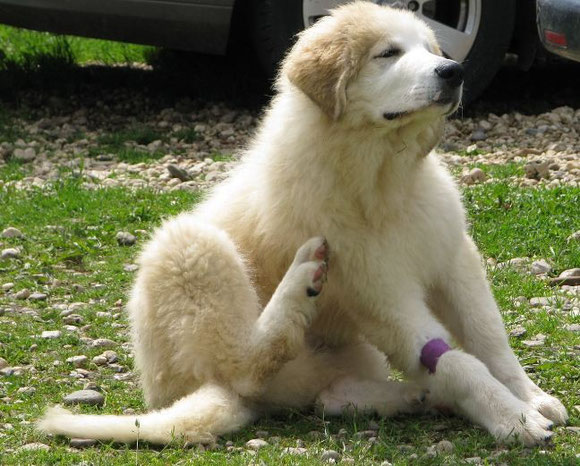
{"type": "Point", "coordinates": [72, 319]}
{"type": "Point", "coordinates": [474, 176]}
{"type": "Point", "coordinates": [78, 361]}
{"type": "Point", "coordinates": [82, 442]}
{"type": "Point", "coordinates": [473, 460]}
{"type": "Point", "coordinates": [444, 446]}
{"type": "Point", "coordinates": [50, 334]}
{"type": "Point", "coordinates": [178, 172]}
{"type": "Point", "coordinates": [103, 343]}
{"type": "Point", "coordinates": [3, 363]}
{"type": "Point", "coordinates": [298, 451]}
{"type": "Point", "coordinates": [385, 463]}
{"type": "Point", "coordinates": [10, 253]}
{"type": "Point", "coordinates": [537, 340]}
{"type": "Point", "coordinates": [125, 238]}
{"type": "Point", "coordinates": [7, 286]}
{"type": "Point", "coordinates": [574, 236]}
{"type": "Point", "coordinates": [330, 455]}
{"type": "Point", "coordinates": [540, 267]}
{"type": "Point", "coordinates": [22, 294]}
{"type": "Point", "coordinates": [537, 169]}
{"type": "Point", "coordinates": [35, 446]}
{"type": "Point", "coordinates": [256, 444]}
{"type": "Point", "coordinates": [478, 135]}
{"type": "Point", "coordinates": [518, 331]}
{"type": "Point", "coordinates": [100, 360]}
{"type": "Point", "coordinates": [36, 296]}
{"type": "Point", "coordinates": [24, 155]}
{"type": "Point", "coordinates": [85, 397]}
{"type": "Point", "coordinates": [12, 232]}
{"type": "Point", "coordinates": [572, 327]}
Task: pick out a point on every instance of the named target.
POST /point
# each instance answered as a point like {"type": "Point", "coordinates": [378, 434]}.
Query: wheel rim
{"type": "Point", "coordinates": [455, 23]}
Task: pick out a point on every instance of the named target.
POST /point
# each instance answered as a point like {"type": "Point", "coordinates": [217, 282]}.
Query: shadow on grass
{"type": "Point", "coordinates": [169, 76]}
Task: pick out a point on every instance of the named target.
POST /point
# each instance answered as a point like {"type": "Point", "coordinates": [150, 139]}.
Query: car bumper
{"type": "Point", "coordinates": [559, 27]}
{"type": "Point", "coordinates": [197, 25]}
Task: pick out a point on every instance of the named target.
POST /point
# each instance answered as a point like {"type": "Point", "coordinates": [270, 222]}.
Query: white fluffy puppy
{"type": "Point", "coordinates": [229, 320]}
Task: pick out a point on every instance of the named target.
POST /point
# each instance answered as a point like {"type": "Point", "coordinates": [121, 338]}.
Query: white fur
{"type": "Point", "coordinates": [221, 318]}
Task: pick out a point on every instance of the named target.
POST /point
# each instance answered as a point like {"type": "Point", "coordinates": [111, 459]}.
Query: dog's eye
{"type": "Point", "coordinates": [388, 53]}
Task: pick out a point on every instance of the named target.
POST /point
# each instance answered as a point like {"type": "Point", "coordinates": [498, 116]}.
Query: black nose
{"type": "Point", "coordinates": [451, 72]}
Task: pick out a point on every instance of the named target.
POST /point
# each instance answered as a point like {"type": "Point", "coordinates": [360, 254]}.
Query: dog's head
{"type": "Point", "coordinates": [368, 63]}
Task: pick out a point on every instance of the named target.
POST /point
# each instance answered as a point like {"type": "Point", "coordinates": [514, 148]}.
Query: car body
{"type": "Point", "coordinates": [477, 33]}
{"type": "Point", "coordinates": [559, 27]}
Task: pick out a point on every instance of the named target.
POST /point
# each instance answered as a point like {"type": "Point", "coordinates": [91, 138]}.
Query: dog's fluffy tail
{"type": "Point", "coordinates": [198, 418]}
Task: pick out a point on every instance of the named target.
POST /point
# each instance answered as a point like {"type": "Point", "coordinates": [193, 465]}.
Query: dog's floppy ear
{"type": "Point", "coordinates": [320, 64]}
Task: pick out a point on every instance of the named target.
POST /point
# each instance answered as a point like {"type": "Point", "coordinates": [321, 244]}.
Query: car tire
{"type": "Point", "coordinates": [275, 24]}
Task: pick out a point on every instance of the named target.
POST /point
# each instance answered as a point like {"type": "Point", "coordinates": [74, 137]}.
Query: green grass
{"type": "Point", "coordinates": [70, 243]}
{"type": "Point", "coordinates": [25, 47]}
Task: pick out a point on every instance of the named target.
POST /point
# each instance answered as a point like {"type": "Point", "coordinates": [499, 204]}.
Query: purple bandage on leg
{"type": "Point", "coordinates": [431, 352]}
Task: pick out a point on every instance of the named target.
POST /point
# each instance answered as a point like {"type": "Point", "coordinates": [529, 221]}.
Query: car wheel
{"type": "Point", "coordinates": [476, 33]}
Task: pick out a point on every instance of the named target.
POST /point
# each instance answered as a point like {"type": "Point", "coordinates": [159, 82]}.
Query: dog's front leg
{"type": "Point", "coordinates": [465, 304]}
{"type": "Point", "coordinates": [415, 342]}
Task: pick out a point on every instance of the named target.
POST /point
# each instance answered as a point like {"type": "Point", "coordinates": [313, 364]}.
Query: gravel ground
{"type": "Point", "coordinates": [194, 145]}
{"type": "Point", "coordinates": [198, 142]}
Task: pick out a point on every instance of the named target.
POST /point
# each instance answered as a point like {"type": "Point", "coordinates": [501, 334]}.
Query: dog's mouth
{"type": "Point", "coordinates": [440, 100]}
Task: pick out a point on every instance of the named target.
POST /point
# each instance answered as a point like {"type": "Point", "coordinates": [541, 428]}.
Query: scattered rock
{"type": "Point", "coordinates": [298, 451]}
{"type": "Point", "coordinates": [572, 327]}
{"type": "Point", "coordinates": [177, 172]}
{"type": "Point", "coordinates": [521, 264]}
{"type": "Point", "coordinates": [518, 331]}
{"type": "Point", "coordinates": [7, 286]}
{"type": "Point", "coordinates": [256, 444]}
{"type": "Point", "coordinates": [330, 455]}
{"type": "Point", "coordinates": [570, 277]}
{"type": "Point", "coordinates": [36, 296]}
{"type": "Point", "coordinates": [125, 238]}
{"type": "Point", "coordinates": [12, 232]}
{"type": "Point", "coordinates": [364, 434]}
{"type": "Point", "coordinates": [537, 169]}
{"type": "Point", "coordinates": [3, 363]}
{"type": "Point", "coordinates": [51, 334]}
{"type": "Point", "coordinates": [540, 267]}
{"type": "Point", "coordinates": [478, 135]}
{"type": "Point", "coordinates": [71, 319]}
{"type": "Point", "coordinates": [85, 397]}
{"type": "Point", "coordinates": [473, 460]}
{"type": "Point", "coordinates": [78, 361]}
{"type": "Point", "coordinates": [10, 253]}
{"type": "Point", "coordinates": [24, 155]}
{"type": "Point", "coordinates": [82, 442]}
{"type": "Point", "coordinates": [444, 446]}
{"type": "Point", "coordinates": [103, 343]}
{"type": "Point", "coordinates": [574, 236]}
{"type": "Point", "coordinates": [100, 360]}
{"type": "Point", "coordinates": [537, 340]}
{"type": "Point", "coordinates": [36, 446]}
{"type": "Point", "coordinates": [474, 176]}
{"type": "Point", "coordinates": [22, 294]}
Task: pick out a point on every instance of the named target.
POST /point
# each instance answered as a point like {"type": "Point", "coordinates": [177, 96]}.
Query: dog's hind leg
{"type": "Point", "coordinates": [384, 397]}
